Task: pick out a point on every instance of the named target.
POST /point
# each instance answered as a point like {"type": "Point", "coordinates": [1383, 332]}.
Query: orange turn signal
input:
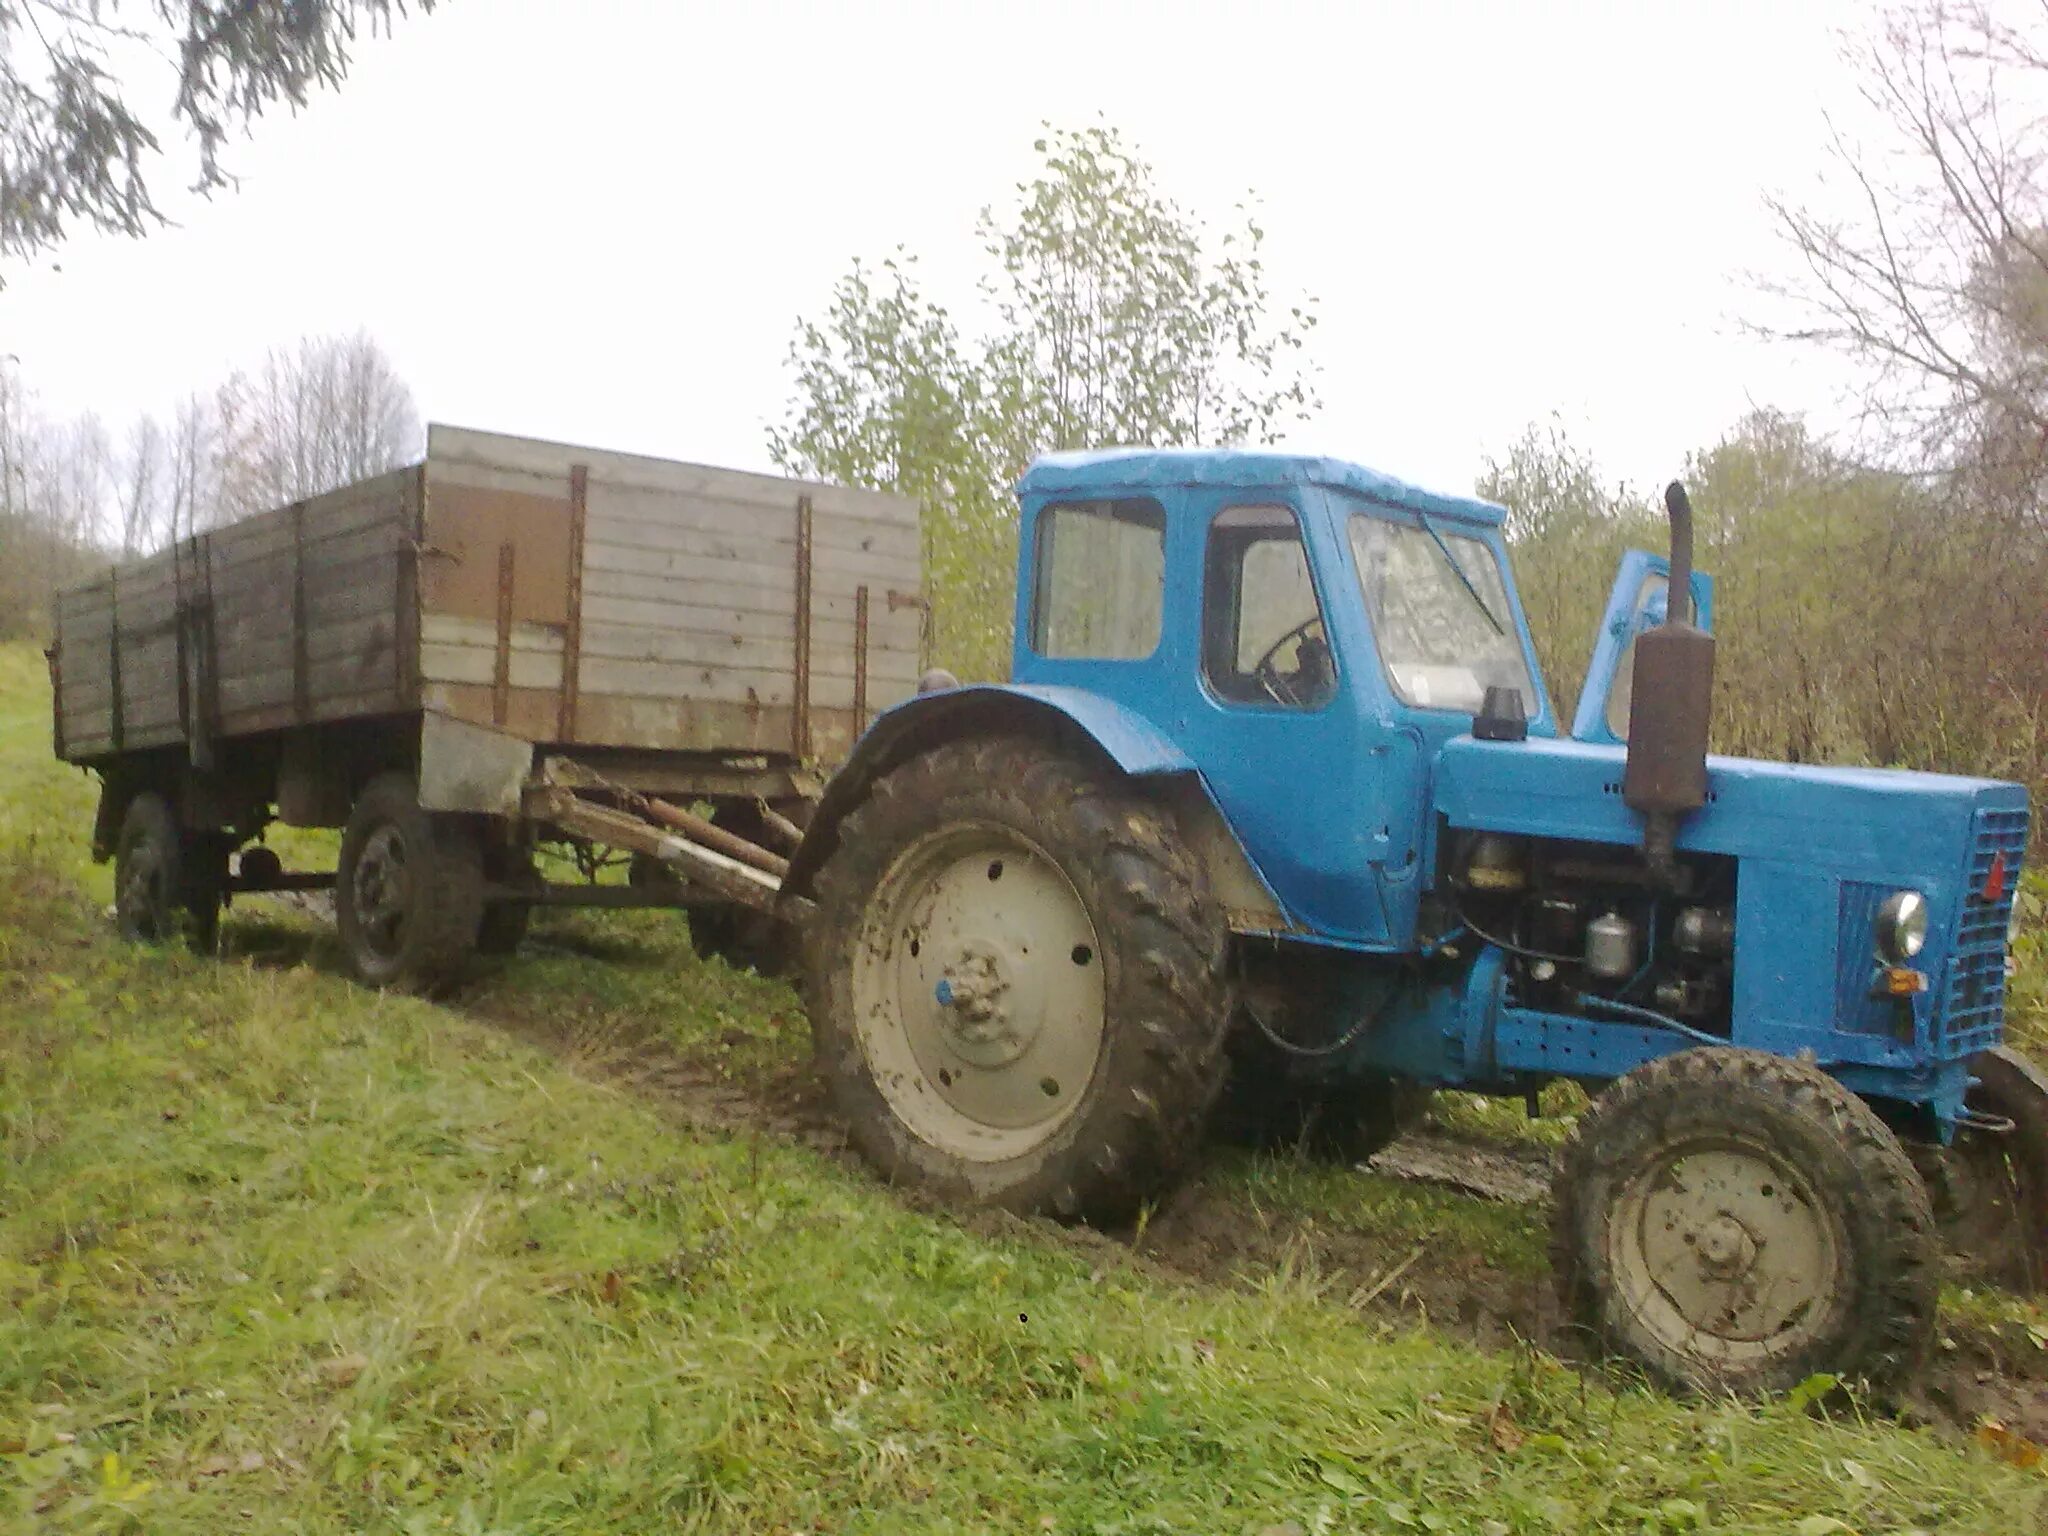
{"type": "Point", "coordinates": [1900, 981]}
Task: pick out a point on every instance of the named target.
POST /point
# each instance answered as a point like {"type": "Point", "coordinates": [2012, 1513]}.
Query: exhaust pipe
{"type": "Point", "coordinates": [1671, 703]}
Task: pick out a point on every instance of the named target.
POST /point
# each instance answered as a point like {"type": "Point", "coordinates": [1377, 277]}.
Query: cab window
{"type": "Point", "coordinates": [1263, 640]}
{"type": "Point", "coordinates": [1101, 580]}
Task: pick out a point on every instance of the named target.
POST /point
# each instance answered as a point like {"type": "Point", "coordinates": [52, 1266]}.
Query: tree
{"type": "Point", "coordinates": [1110, 317]}
{"type": "Point", "coordinates": [1933, 273]}
{"type": "Point", "coordinates": [73, 150]}
{"type": "Point", "coordinates": [325, 413]}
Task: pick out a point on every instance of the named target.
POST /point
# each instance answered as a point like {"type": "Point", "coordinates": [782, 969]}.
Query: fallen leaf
{"type": "Point", "coordinates": [1205, 1349]}
{"type": "Point", "coordinates": [2007, 1446]}
{"type": "Point", "coordinates": [614, 1286]}
{"type": "Point", "coordinates": [1506, 1434]}
{"type": "Point", "coordinates": [215, 1466]}
{"type": "Point", "coordinates": [343, 1370]}
{"type": "Point", "coordinates": [12, 1445]}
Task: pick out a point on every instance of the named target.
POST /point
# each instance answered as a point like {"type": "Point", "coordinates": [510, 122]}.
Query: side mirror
{"type": "Point", "coordinates": [1638, 601]}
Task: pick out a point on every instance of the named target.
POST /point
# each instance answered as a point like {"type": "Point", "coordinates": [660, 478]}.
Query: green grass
{"type": "Point", "coordinates": [281, 1255]}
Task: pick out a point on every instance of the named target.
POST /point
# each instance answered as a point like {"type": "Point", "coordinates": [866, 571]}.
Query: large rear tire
{"type": "Point", "coordinates": [1991, 1187]}
{"type": "Point", "coordinates": [408, 892]}
{"type": "Point", "coordinates": [1733, 1221]}
{"type": "Point", "coordinates": [166, 886]}
{"type": "Point", "coordinates": [1016, 983]}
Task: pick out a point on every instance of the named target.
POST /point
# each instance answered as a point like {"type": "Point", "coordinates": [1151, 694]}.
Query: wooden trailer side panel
{"type": "Point", "coordinates": [295, 616]}
{"type": "Point", "coordinates": [705, 609]}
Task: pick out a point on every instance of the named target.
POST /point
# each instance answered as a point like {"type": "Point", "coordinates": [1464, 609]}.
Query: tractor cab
{"type": "Point", "coordinates": [1309, 632]}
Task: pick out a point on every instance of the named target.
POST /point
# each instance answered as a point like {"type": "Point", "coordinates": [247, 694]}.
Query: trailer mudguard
{"type": "Point", "coordinates": [1085, 722]}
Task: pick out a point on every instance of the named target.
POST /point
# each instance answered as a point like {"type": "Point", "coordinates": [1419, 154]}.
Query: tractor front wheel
{"type": "Point", "coordinates": [1734, 1221]}
{"type": "Point", "coordinates": [1016, 983]}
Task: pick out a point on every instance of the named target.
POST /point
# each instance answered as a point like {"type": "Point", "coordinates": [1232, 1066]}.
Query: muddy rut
{"type": "Point", "coordinates": [1211, 1233]}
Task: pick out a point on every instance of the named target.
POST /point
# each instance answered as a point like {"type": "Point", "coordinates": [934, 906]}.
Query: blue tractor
{"type": "Point", "coordinates": [1277, 822]}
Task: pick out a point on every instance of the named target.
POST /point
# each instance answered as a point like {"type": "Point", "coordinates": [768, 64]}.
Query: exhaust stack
{"type": "Point", "coordinates": [1671, 700]}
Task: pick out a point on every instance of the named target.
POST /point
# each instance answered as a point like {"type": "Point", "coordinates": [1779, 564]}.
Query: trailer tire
{"type": "Point", "coordinates": [1990, 1187]}
{"type": "Point", "coordinates": [408, 891]}
{"type": "Point", "coordinates": [1693, 1173]}
{"type": "Point", "coordinates": [165, 885]}
{"type": "Point", "coordinates": [1074, 1083]}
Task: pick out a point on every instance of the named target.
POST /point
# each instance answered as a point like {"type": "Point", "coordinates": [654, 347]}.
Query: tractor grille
{"type": "Point", "coordinates": [1973, 1000]}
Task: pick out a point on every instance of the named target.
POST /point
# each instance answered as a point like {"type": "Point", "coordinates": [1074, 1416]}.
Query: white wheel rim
{"type": "Point", "coordinates": [978, 992]}
{"type": "Point", "coordinates": [1725, 1254]}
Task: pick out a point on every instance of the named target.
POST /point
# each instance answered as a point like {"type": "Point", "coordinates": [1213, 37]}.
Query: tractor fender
{"type": "Point", "coordinates": [1087, 723]}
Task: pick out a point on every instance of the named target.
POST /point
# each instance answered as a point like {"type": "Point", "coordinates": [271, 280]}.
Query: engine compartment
{"type": "Point", "coordinates": [1590, 929]}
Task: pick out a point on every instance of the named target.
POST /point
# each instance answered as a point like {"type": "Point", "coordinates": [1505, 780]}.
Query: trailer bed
{"type": "Point", "coordinates": [564, 596]}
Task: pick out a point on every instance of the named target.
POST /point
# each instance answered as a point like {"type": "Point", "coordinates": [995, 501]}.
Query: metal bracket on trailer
{"type": "Point", "coordinates": [735, 869]}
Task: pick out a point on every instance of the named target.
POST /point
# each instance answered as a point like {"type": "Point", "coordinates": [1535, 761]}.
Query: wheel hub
{"type": "Point", "coordinates": [1726, 1253]}
{"type": "Point", "coordinates": [1727, 1248]}
{"type": "Point", "coordinates": [979, 992]}
{"type": "Point", "coordinates": [976, 1019]}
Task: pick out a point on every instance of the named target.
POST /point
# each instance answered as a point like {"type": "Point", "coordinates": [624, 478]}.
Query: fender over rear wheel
{"type": "Point", "coordinates": [1016, 983]}
{"type": "Point", "coordinates": [408, 890]}
{"type": "Point", "coordinates": [1733, 1221]}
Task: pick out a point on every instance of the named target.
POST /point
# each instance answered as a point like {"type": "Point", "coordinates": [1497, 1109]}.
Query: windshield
{"type": "Point", "coordinates": [1439, 608]}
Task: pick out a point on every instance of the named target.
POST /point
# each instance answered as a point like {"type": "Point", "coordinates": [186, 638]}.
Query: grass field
{"type": "Point", "coordinates": [282, 1255]}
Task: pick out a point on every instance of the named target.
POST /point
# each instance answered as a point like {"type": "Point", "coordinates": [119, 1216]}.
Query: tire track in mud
{"type": "Point", "coordinates": [1209, 1233]}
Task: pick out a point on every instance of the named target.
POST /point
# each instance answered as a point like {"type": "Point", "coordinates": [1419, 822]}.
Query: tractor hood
{"type": "Point", "coordinates": [1869, 823]}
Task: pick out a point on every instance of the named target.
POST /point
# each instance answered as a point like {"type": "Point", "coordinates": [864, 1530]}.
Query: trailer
{"type": "Point", "coordinates": [509, 645]}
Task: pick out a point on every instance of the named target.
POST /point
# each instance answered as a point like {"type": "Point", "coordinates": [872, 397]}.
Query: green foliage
{"type": "Point", "coordinates": [1862, 616]}
{"type": "Point", "coordinates": [73, 150]}
{"type": "Point", "coordinates": [285, 1255]}
{"type": "Point", "coordinates": [1112, 319]}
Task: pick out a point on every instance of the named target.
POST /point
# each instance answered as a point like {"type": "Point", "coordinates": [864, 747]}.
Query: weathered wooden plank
{"type": "Point", "coordinates": [471, 664]}
{"type": "Point", "coordinates": [455, 629]}
{"type": "Point", "coordinates": [612, 546]}
{"type": "Point", "coordinates": [693, 650]}
{"type": "Point", "coordinates": [467, 452]}
{"type": "Point", "coordinates": [644, 513]}
{"type": "Point", "coordinates": [670, 680]}
{"type": "Point", "coordinates": [608, 638]}
{"type": "Point", "coordinates": [730, 586]}
{"type": "Point", "coordinates": [657, 606]}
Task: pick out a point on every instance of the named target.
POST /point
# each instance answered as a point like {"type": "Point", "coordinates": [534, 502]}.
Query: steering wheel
{"type": "Point", "coordinates": [1269, 676]}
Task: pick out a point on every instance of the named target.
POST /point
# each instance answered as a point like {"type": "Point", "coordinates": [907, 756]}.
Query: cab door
{"type": "Point", "coordinates": [1638, 601]}
{"type": "Point", "coordinates": [1271, 717]}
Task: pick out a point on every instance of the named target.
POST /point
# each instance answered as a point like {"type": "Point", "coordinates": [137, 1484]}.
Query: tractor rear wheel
{"type": "Point", "coordinates": [1016, 983]}
{"type": "Point", "coordinates": [1734, 1221]}
{"type": "Point", "coordinates": [1990, 1187]}
{"type": "Point", "coordinates": [408, 891]}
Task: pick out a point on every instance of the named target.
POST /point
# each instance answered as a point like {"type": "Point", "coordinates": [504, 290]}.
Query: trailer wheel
{"type": "Point", "coordinates": [1991, 1187]}
{"type": "Point", "coordinates": [1734, 1221]}
{"type": "Point", "coordinates": [408, 891]}
{"type": "Point", "coordinates": [1016, 983]}
{"type": "Point", "coordinates": [165, 887]}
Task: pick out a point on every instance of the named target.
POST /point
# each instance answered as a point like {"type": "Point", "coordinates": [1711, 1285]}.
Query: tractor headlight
{"type": "Point", "coordinates": [1902, 925]}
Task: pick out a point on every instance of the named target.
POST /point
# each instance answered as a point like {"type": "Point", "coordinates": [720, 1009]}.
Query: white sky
{"type": "Point", "coordinates": [600, 220]}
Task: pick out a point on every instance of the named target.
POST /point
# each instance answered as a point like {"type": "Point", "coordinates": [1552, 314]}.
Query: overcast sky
{"type": "Point", "coordinates": [600, 220]}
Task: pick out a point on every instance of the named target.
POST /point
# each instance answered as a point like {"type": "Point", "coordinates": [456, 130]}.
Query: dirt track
{"type": "Point", "coordinates": [1209, 1233]}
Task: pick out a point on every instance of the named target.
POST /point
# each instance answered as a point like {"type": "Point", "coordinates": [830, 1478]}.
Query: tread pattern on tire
{"type": "Point", "coordinates": [1164, 942]}
{"type": "Point", "coordinates": [1893, 1258]}
{"type": "Point", "coordinates": [444, 927]}
{"type": "Point", "coordinates": [195, 895]}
